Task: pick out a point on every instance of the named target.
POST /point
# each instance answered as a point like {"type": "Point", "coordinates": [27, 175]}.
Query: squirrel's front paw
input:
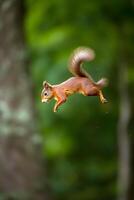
{"type": "Point", "coordinates": [55, 109]}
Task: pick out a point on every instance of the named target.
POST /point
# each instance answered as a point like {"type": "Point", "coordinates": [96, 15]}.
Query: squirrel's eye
{"type": "Point", "coordinates": [45, 93]}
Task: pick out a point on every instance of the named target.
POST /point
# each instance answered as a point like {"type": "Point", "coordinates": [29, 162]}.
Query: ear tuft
{"type": "Point", "coordinates": [46, 85]}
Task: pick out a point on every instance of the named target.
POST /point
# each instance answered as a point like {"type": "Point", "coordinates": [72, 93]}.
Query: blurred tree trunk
{"type": "Point", "coordinates": [131, 189]}
{"type": "Point", "coordinates": [21, 171]}
{"type": "Point", "coordinates": [123, 122]}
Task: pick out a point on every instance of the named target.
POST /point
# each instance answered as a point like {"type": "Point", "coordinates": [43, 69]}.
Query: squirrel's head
{"type": "Point", "coordinates": [47, 93]}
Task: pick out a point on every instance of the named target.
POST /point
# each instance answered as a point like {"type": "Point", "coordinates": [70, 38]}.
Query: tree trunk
{"type": "Point", "coordinates": [123, 138]}
{"type": "Point", "coordinates": [131, 189]}
{"type": "Point", "coordinates": [20, 155]}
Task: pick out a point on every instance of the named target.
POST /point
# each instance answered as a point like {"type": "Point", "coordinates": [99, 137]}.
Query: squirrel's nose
{"type": "Point", "coordinates": [44, 100]}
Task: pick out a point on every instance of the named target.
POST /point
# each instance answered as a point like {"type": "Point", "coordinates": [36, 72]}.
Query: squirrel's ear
{"type": "Point", "coordinates": [46, 85]}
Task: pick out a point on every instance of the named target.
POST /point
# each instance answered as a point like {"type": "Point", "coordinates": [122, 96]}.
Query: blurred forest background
{"type": "Point", "coordinates": [85, 151]}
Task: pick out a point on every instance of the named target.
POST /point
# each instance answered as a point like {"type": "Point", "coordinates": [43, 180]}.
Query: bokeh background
{"type": "Point", "coordinates": [84, 151]}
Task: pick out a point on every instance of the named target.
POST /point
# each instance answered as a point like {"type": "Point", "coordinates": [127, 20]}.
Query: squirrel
{"type": "Point", "coordinates": [81, 82]}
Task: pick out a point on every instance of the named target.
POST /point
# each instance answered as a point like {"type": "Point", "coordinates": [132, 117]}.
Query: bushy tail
{"type": "Point", "coordinates": [79, 56]}
{"type": "Point", "coordinates": [102, 83]}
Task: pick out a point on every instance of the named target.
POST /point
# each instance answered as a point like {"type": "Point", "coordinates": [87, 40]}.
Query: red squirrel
{"type": "Point", "coordinates": [81, 82]}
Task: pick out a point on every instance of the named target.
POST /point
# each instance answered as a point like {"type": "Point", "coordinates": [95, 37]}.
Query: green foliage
{"type": "Point", "coordinates": [80, 140]}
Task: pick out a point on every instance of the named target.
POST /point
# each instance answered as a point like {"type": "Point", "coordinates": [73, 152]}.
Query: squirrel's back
{"type": "Point", "coordinates": [79, 56]}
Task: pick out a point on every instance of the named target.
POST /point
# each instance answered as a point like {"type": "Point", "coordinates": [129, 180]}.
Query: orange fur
{"type": "Point", "coordinates": [80, 83]}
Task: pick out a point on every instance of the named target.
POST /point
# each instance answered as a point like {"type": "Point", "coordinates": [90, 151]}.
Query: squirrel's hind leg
{"type": "Point", "coordinates": [102, 99]}
{"type": "Point", "coordinates": [94, 91]}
